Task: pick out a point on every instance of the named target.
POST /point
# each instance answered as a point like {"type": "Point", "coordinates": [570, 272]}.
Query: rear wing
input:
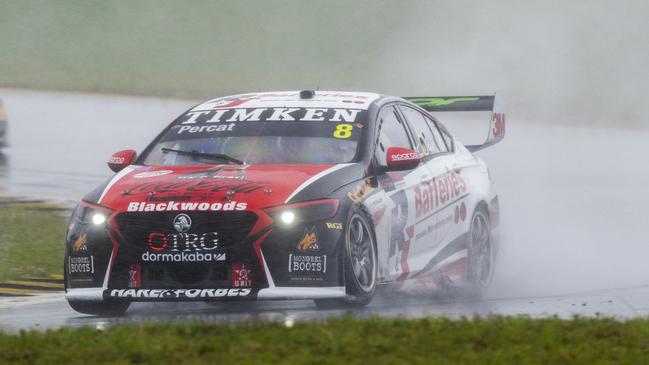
{"type": "Point", "coordinates": [469, 104]}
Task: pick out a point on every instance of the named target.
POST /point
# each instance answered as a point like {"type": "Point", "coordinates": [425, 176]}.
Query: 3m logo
{"type": "Point", "coordinates": [498, 129]}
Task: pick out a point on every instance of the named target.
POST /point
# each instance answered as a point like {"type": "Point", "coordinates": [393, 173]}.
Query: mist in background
{"type": "Point", "coordinates": [573, 198]}
{"type": "Point", "coordinates": [581, 62]}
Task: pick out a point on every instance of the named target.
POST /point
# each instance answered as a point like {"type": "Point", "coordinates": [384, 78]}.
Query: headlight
{"type": "Point", "coordinates": [98, 219]}
{"type": "Point", "coordinates": [305, 212]}
{"type": "Point", "coordinates": [287, 216]}
{"type": "Point", "coordinates": [88, 214]}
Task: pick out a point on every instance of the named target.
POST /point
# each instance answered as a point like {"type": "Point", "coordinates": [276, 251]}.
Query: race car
{"type": "Point", "coordinates": [4, 126]}
{"type": "Point", "coordinates": [321, 195]}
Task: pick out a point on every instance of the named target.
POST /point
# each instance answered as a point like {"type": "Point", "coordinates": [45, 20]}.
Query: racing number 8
{"type": "Point", "coordinates": [343, 131]}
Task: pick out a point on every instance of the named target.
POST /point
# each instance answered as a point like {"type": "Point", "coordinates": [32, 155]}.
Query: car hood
{"type": "Point", "coordinates": [219, 187]}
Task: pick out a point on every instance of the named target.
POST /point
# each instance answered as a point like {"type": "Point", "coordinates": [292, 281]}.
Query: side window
{"type": "Point", "coordinates": [392, 133]}
{"type": "Point", "coordinates": [427, 137]}
{"type": "Point", "coordinates": [447, 139]}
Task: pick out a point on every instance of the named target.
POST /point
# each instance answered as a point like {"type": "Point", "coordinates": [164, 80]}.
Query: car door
{"type": "Point", "coordinates": [397, 188]}
{"type": "Point", "coordinates": [433, 214]}
{"type": "Point", "coordinates": [453, 210]}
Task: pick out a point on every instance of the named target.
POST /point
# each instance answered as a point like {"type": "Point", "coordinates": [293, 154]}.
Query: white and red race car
{"type": "Point", "coordinates": [320, 195]}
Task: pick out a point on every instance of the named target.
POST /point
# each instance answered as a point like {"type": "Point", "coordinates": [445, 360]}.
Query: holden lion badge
{"type": "Point", "coordinates": [182, 223]}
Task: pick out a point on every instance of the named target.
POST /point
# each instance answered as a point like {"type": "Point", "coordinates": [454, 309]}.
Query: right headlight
{"type": "Point", "coordinates": [305, 212]}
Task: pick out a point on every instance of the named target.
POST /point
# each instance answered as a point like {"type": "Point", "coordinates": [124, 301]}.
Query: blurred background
{"type": "Point", "coordinates": [580, 62]}
{"type": "Point", "coordinates": [82, 79]}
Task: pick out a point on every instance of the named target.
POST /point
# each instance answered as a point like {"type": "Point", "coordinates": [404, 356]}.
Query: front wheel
{"type": "Point", "coordinates": [481, 252]}
{"type": "Point", "coordinates": [360, 264]}
{"type": "Point", "coordinates": [112, 308]}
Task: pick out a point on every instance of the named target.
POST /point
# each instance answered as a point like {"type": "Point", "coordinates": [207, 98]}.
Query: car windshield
{"type": "Point", "coordinates": [199, 140]}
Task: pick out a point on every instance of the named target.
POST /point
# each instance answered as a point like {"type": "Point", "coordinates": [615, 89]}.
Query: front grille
{"type": "Point", "coordinates": [232, 227]}
{"type": "Point", "coordinates": [185, 275]}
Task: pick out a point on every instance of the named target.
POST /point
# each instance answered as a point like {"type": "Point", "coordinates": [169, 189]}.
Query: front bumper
{"type": "Point", "coordinates": [157, 295]}
{"type": "Point", "coordinates": [113, 261]}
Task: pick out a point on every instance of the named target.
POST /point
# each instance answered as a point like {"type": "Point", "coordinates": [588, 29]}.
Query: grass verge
{"type": "Point", "coordinates": [495, 340]}
{"type": "Point", "coordinates": [31, 241]}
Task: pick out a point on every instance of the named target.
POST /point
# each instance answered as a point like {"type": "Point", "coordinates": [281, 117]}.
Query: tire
{"type": "Point", "coordinates": [360, 263]}
{"type": "Point", "coordinates": [480, 265]}
{"type": "Point", "coordinates": [105, 308]}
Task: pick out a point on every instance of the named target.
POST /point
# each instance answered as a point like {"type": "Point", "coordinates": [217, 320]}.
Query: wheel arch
{"type": "Point", "coordinates": [361, 209]}
{"type": "Point", "coordinates": [484, 206]}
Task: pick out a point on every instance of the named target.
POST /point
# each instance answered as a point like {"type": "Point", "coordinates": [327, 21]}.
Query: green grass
{"type": "Point", "coordinates": [496, 340]}
{"type": "Point", "coordinates": [198, 50]}
{"type": "Point", "coordinates": [31, 242]}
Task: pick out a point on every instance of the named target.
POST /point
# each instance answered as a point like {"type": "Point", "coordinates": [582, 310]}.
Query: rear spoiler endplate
{"type": "Point", "coordinates": [469, 104]}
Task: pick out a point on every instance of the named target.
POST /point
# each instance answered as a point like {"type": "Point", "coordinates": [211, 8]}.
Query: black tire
{"type": "Point", "coordinates": [481, 255]}
{"type": "Point", "coordinates": [112, 308]}
{"type": "Point", "coordinates": [360, 263]}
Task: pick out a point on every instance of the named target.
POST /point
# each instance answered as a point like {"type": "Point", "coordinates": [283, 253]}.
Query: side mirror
{"type": "Point", "coordinates": [399, 159]}
{"type": "Point", "coordinates": [119, 160]}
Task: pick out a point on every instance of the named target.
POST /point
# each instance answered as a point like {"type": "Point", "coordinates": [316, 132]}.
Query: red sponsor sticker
{"type": "Point", "coordinates": [498, 129]}
{"type": "Point", "coordinates": [157, 241]}
{"type": "Point", "coordinates": [241, 275]}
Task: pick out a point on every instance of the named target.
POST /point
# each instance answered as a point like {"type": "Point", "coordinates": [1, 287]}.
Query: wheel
{"type": "Point", "coordinates": [481, 252]}
{"type": "Point", "coordinates": [105, 308]}
{"type": "Point", "coordinates": [360, 264]}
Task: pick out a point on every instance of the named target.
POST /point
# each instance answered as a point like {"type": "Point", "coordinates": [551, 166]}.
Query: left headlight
{"type": "Point", "coordinates": [304, 212]}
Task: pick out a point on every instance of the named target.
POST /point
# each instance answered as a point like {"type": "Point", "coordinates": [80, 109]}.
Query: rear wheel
{"type": "Point", "coordinates": [360, 264]}
{"type": "Point", "coordinates": [105, 308]}
{"type": "Point", "coordinates": [481, 252]}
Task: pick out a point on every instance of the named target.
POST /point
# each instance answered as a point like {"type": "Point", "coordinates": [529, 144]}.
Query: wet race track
{"type": "Point", "coordinates": [573, 209]}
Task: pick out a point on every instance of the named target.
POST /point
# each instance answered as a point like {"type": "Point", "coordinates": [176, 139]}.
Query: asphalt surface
{"type": "Point", "coordinates": [52, 311]}
{"type": "Point", "coordinates": [573, 211]}
{"type": "Point", "coordinates": [59, 143]}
